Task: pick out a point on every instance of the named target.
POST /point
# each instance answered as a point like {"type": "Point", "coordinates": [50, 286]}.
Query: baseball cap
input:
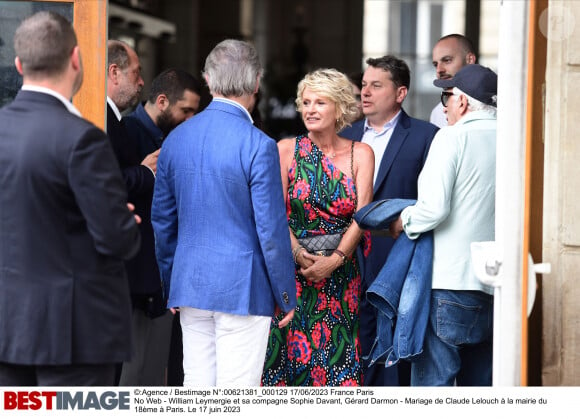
{"type": "Point", "coordinates": [475, 80]}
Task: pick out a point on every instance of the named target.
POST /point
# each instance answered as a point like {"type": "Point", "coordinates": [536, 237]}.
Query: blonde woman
{"type": "Point", "coordinates": [325, 179]}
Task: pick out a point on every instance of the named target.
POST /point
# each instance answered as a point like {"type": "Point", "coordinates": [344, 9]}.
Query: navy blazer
{"type": "Point", "coordinates": [399, 170]}
{"type": "Point", "coordinates": [65, 228]}
{"type": "Point", "coordinates": [142, 270]}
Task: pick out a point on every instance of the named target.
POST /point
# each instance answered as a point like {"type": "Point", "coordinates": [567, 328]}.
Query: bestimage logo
{"type": "Point", "coordinates": [66, 400]}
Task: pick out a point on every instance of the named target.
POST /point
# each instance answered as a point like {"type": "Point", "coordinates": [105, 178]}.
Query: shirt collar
{"type": "Point", "coordinates": [389, 125]}
{"type": "Point", "coordinates": [236, 104]}
{"type": "Point", "coordinates": [69, 106]}
{"type": "Point", "coordinates": [141, 114]}
{"type": "Point", "coordinates": [114, 108]}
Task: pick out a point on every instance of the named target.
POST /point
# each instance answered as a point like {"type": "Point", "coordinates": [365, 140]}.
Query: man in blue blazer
{"type": "Point", "coordinates": [400, 144]}
{"type": "Point", "coordinates": [220, 226]}
{"type": "Point", "coordinates": [64, 223]}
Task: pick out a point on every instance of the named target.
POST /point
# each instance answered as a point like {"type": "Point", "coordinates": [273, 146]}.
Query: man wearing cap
{"type": "Point", "coordinates": [456, 199]}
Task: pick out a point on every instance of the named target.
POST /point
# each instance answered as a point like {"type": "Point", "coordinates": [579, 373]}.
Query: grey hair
{"type": "Point", "coordinates": [232, 69]}
{"type": "Point", "coordinates": [476, 105]}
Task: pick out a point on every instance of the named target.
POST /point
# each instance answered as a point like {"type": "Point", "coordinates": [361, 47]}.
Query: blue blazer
{"type": "Point", "coordinates": [399, 170]}
{"type": "Point", "coordinates": [219, 218]}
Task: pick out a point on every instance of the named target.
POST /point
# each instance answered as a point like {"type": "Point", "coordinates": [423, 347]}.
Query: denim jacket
{"type": "Point", "coordinates": [401, 291]}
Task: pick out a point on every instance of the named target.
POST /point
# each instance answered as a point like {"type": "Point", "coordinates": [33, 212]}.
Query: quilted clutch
{"type": "Point", "coordinates": [322, 245]}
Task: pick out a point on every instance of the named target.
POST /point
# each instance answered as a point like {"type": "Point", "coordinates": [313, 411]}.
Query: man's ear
{"type": "Point", "coordinates": [162, 102]}
{"type": "Point", "coordinates": [112, 72]}
{"type": "Point", "coordinates": [18, 65]}
{"type": "Point", "coordinates": [463, 104]}
{"type": "Point", "coordinates": [257, 85]}
{"type": "Point", "coordinates": [76, 58]}
{"type": "Point", "coordinates": [401, 94]}
{"type": "Point", "coordinates": [470, 58]}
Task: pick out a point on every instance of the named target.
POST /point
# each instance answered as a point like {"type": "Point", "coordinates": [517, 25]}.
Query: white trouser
{"type": "Point", "coordinates": [224, 350]}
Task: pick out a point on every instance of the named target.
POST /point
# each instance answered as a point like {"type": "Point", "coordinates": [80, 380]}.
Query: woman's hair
{"type": "Point", "coordinates": [232, 68]}
{"type": "Point", "coordinates": [335, 86]}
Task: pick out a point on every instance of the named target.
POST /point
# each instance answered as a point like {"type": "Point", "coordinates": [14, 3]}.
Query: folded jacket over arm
{"type": "Point", "coordinates": [401, 291]}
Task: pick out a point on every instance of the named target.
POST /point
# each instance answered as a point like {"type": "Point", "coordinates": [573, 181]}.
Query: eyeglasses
{"type": "Point", "coordinates": [445, 97]}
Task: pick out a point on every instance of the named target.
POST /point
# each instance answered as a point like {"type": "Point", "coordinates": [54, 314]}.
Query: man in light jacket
{"type": "Point", "coordinates": [456, 200]}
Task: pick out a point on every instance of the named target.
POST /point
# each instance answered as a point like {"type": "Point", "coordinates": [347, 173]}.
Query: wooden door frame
{"type": "Point", "coordinates": [90, 20]}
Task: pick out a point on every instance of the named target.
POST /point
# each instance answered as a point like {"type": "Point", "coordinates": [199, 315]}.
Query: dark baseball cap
{"type": "Point", "coordinates": [475, 80]}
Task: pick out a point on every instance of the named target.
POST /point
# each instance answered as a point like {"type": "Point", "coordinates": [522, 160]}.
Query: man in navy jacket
{"type": "Point", "coordinates": [400, 144]}
{"type": "Point", "coordinates": [64, 223]}
{"type": "Point", "coordinates": [174, 97]}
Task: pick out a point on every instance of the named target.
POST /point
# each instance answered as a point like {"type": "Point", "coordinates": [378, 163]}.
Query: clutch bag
{"type": "Point", "coordinates": [322, 245]}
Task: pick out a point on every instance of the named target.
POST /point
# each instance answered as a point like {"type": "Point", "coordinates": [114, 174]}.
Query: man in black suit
{"type": "Point", "coordinates": [400, 144]}
{"type": "Point", "coordinates": [124, 84]}
{"type": "Point", "coordinates": [64, 222]}
{"type": "Point", "coordinates": [174, 97]}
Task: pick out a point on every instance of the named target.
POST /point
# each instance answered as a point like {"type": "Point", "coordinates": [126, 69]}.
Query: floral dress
{"type": "Point", "coordinates": [320, 346]}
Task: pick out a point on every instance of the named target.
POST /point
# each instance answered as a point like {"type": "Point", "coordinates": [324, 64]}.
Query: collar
{"type": "Point", "coordinates": [234, 103]}
{"type": "Point", "coordinates": [474, 116]}
{"type": "Point", "coordinates": [390, 124]}
{"type": "Point", "coordinates": [69, 106]}
{"type": "Point", "coordinates": [114, 108]}
{"type": "Point", "coordinates": [141, 114]}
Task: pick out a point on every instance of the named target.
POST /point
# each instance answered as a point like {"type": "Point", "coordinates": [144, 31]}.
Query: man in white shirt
{"type": "Point", "coordinates": [456, 199]}
{"type": "Point", "coordinates": [450, 54]}
{"type": "Point", "coordinates": [400, 144]}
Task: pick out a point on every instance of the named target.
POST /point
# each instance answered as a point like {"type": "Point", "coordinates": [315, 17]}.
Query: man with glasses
{"type": "Point", "coordinates": [456, 199]}
{"type": "Point", "coordinates": [450, 54]}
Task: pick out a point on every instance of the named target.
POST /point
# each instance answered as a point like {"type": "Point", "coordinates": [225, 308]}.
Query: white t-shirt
{"type": "Point", "coordinates": [438, 117]}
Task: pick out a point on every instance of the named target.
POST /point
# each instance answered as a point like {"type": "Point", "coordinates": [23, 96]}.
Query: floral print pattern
{"type": "Point", "coordinates": [320, 346]}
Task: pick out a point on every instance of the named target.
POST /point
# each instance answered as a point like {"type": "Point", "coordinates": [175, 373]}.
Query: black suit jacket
{"type": "Point", "coordinates": [144, 278]}
{"type": "Point", "coordinates": [65, 230]}
{"type": "Point", "coordinates": [399, 170]}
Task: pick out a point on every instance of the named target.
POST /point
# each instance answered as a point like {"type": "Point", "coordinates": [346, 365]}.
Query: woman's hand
{"type": "Point", "coordinates": [286, 319]}
{"type": "Point", "coordinates": [302, 260]}
{"type": "Point", "coordinates": [320, 267]}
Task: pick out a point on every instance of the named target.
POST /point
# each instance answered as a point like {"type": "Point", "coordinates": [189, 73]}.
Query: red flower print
{"type": "Point", "coordinates": [335, 308]}
{"type": "Point", "coordinates": [349, 186]}
{"type": "Point", "coordinates": [301, 189]}
{"type": "Point", "coordinates": [299, 347]}
{"type": "Point", "coordinates": [367, 243]}
{"type": "Point", "coordinates": [349, 383]}
{"type": "Point", "coordinates": [298, 289]}
{"type": "Point", "coordinates": [318, 377]}
{"type": "Point", "coordinates": [320, 284]}
{"type": "Point", "coordinates": [351, 296]}
{"type": "Point", "coordinates": [321, 303]}
{"type": "Point", "coordinates": [305, 146]}
{"type": "Point", "coordinates": [309, 212]}
{"type": "Point", "coordinates": [342, 207]}
{"type": "Point", "coordinates": [320, 334]}
{"type": "Point", "coordinates": [330, 169]}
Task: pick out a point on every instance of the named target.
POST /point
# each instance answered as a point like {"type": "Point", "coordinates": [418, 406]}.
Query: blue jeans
{"type": "Point", "coordinates": [458, 345]}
